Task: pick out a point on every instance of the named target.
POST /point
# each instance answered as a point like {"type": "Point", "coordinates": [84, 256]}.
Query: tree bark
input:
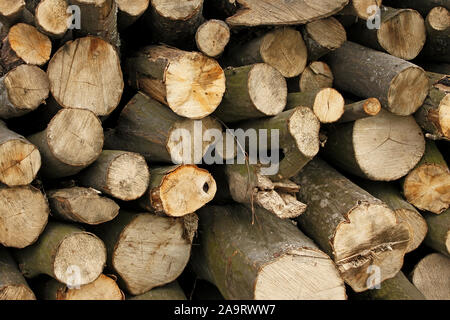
{"type": "Point", "coordinates": [316, 76]}
{"type": "Point", "coordinates": [189, 83]}
{"type": "Point", "coordinates": [438, 236]}
{"type": "Point", "coordinates": [72, 141]}
{"type": "Point", "coordinates": [360, 110]}
{"type": "Point", "coordinates": [12, 284]}
{"type": "Point", "coordinates": [382, 148]}
{"type": "Point", "coordinates": [130, 11]}
{"type": "Point", "coordinates": [24, 213]}
{"type": "Point", "coordinates": [171, 291]}
{"type": "Point", "coordinates": [178, 190]}
{"type": "Point", "coordinates": [120, 174]}
{"type": "Point", "coordinates": [427, 187]}
{"type": "Point", "coordinates": [66, 253]}
{"type": "Point", "coordinates": [437, 47]}
{"type": "Point", "coordinates": [250, 261]}
{"type": "Point", "coordinates": [354, 228]}
{"type": "Point", "coordinates": [400, 86]}
{"type": "Point", "coordinates": [162, 245]}
{"type": "Point", "coordinates": [83, 205]}
{"type": "Point", "coordinates": [147, 127]}
{"type": "Point", "coordinates": [212, 37]}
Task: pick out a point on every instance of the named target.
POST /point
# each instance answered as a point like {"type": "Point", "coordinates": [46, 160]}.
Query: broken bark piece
{"type": "Point", "coordinates": [438, 236]}
{"type": "Point", "coordinates": [212, 37]}
{"type": "Point", "coordinates": [354, 228]}
{"type": "Point", "coordinates": [316, 76]}
{"type": "Point", "coordinates": [130, 11]}
{"type": "Point", "coordinates": [83, 205]}
{"type": "Point", "coordinates": [171, 291]}
{"type": "Point", "coordinates": [360, 110]}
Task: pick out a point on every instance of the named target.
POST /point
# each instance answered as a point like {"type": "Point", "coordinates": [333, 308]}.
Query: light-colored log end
{"type": "Point", "coordinates": [417, 227]}
{"type": "Point", "coordinates": [304, 127]}
{"type": "Point", "coordinates": [212, 37]}
{"type": "Point", "coordinates": [16, 292]}
{"type": "Point", "coordinates": [329, 105]}
{"type": "Point", "coordinates": [52, 17]}
{"type": "Point", "coordinates": [10, 8]}
{"type": "Point", "coordinates": [372, 106]}
{"type": "Point", "coordinates": [316, 76]}
{"type": "Point", "coordinates": [29, 44]}
{"type": "Point", "coordinates": [444, 115]}
{"type": "Point", "coordinates": [174, 10]}
{"type": "Point", "coordinates": [432, 277]}
{"type": "Point", "coordinates": [133, 8]}
{"type": "Point", "coordinates": [103, 288]}
{"type": "Point", "coordinates": [328, 33]}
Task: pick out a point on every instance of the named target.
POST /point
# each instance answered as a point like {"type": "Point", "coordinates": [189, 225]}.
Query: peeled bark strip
{"type": "Point", "coordinates": [178, 190]}
{"type": "Point", "coordinates": [299, 139]}
{"type": "Point", "coordinates": [354, 228]}
{"type": "Point", "coordinates": [11, 10]}
{"type": "Point", "coordinates": [86, 74]}
{"type": "Point", "coordinates": [20, 161]}
{"type": "Point", "coordinates": [432, 277]}
{"type": "Point", "coordinates": [250, 261]}
{"type": "Point", "coordinates": [103, 288]}
{"type": "Point", "coordinates": [83, 205]}
{"type": "Point", "coordinates": [66, 253]}
{"type": "Point", "coordinates": [24, 44]}
{"type": "Point", "coordinates": [212, 37]}
{"type": "Point", "coordinates": [72, 141]}
{"type": "Point", "coordinates": [23, 215]}
{"type": "Point", "coordinates": [122, 175]}
{"type": "Point", "coordinates": [174, 22]}
{"type": "Point", "coordinates": [402, 33]}
{"type": "Point", "coordinates": [147, 250]}
{"type": "Point", "coordinates": [360, 110]}
{"type": "Point", "coordinates": [437, 47]}
{"type": "Point", "coordinates": [323, 36]}
{"type": "Point", "coordinates": [280, 12]}
{"type": "Point", "coordinates": [147, 127]}
{"type": "Point", "coordinates": [282, 48]}
{"type": "Point", "coordinates": [434, 115]}
{"type": "Point", "coordinates": [438, 236]}
{"type": "Point", "coordinates": [397, 288]}
{"type": "Point", "coordinates": [253, 91]}
{"type": "Point", "coordinates": [427, 187]}
{"type": "Point", "coordinates": [316, 76]}
{"type": "Point", "coordinates": [405, 211]}
{"type": "Point", "coordinates": [12, 284]}
{"type": "Point", "coordinates": [52, 17]}
{"type": "Point", "coordinates": [327, 104]}
{"type": "Point", "coordinates": [130, 11]}
{"type": "Point", "coordinates": [381, 148]}
{"type": "Point", "coordinates": [361, 8]}
{"type": "Point", "coordinates": [190, 83]}
{"type": "Point", "coordinates": [400, 86]}
{"type": "Point", "coordinates": [249, 187]}
{"type": "Point", "coordinates": [171, 291]}
{"type": "Point", "coordinates": [22, 90]}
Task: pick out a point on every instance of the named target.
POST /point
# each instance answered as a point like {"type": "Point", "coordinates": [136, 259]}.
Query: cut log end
{"type": "Point", "coordinates": [185, 190]}
{"type": "Point", "coordinates": [372, 106]}
{"type": "Point", "coordinates": [329, 105]}
{"type": "Point", "coordinates": [79, 259]}
{"type": "Point", "coordinates": [362, 7]}
{"type": "Point", "coordinates": [133, 8]}
{"type": "Point", "coordinates": [432, 277]}
{"type": "Point", "coordinates": [24, 213]}
{"type": "Point", "coordinates": [52, 17]}
{"type": "Point", "coordinates": [417, 225]}
{"type": "Point", "coordinates": [289, 278]}
{"type": "Point", "coordinates": [10, 8]}
{"type": "Point", "coordinates": [103, 288]}
{"type": "Point", "coordinates": [361, 242]}
{"type": "Point", "coordinates": [285, 50]}
{"type": "Point", "coordinates": [427, 187]}
{"type": "Point", "coordinates": [16, 292]}
{"type": "Point", "coordinates": [316, 76]}
{"type": "Point", "coordinates": [439, 18]}
{"type": "Point", "coordinates": [267, 89]}
{"type": "Point", "coordinates": [29, 44]}
{"type": "Point", "coordinates": [304, 128]}
{"type": "Point", "coordinates": [177, 10]}
{"type": "Point", "coordinates": [212, 37]}
{"type": "Point", "coordinates": [444, 116]}
{"type": "Point", "coordinates": [328, 33]}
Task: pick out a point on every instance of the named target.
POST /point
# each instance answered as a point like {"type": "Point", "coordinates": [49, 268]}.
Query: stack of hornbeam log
{"type": "Point", "coordinates": [123, 174]}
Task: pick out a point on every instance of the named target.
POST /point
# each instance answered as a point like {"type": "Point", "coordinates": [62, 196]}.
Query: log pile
{"type": "Point", "coordinates": [275, 149]}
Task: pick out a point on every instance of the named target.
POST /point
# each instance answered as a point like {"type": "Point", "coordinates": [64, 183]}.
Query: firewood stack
{"type": "Point", "coordinates": [137, 138]}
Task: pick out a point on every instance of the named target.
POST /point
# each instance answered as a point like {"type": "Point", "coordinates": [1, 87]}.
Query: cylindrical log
{"type": "Point", "coordinates": [12, 284]}
{"type": "Point", "coordinates": [52, 17]}
{"type": "Point", "coordinates": [390, 195]}
{"type": "Point", "coordinates": [153, 130]}
{"type": "Point", "coordinates": [178, 190]}
{"type": "Point", "coordinates": [72, 141]}
{"type": "Point", "coordinates": [316, 76]}
{"type": "Point", "coordinates": [381, 148]}
{"type": "Point", "coordinates": [98, 83]}
{"type": "Point", "coordinates": [20, 160]}
{"type": "Point", "coordinates": [360, 110]}
{"type": "Point", "coordinates": [83, 205]}
{"type": "Point", "coordinates": [363, 9]}
{"type": "Point", "coordinates": [190, 83]}
{"type": "Point", "coordinates": [24, 213]}
{"type": "Point", "coordinates": [24, 44]}
{"type": "Point", "coordinates": [400, 86]}
{"type": "Point", "coordinates": [66, 253]}
{"type": "Point", "coordinates": [171, 291]}
{"type": "Point", "coordinates": [253, 261]}
{"type": "Point", "coordinates": [327, 104]}
{"type": "Point", "coordinates": [147, 250]}
{"type": "Point", "coordinates": [22, 90]}
{"type": "Point", "coordinates": [282, 48]}
{"type": "Point", "coordinates": [253, 91]}
{"type": "Point", "coordinates": [11, 10]}
{"type": "Point", "coordinates": [103, 288]}
{"type": "Point", "coordinates": [438, 236]}
{"type": "Point", "coordinates": [432, 277]}
{"type": "Point", "coordinates": [402, 33]}
{"type": "Point", "coordinates": [423, 6]}
{"type": "Point", "coordinates": [427, 187]}
{"type": "Point", "coordinates": [212, 37]}
{"type": "Point", "coordinates": [120, 174]}
{"type": "Point", "coordinates": [130, 11]}
{"type": "Point", "coordinates": [323, 36]}
{"type": "Point", "coordinates": [357, 230]}
{"type": "Point", "coordinates": [437, 47]}
{"type": "Point", "coordinates": [298, 131]}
